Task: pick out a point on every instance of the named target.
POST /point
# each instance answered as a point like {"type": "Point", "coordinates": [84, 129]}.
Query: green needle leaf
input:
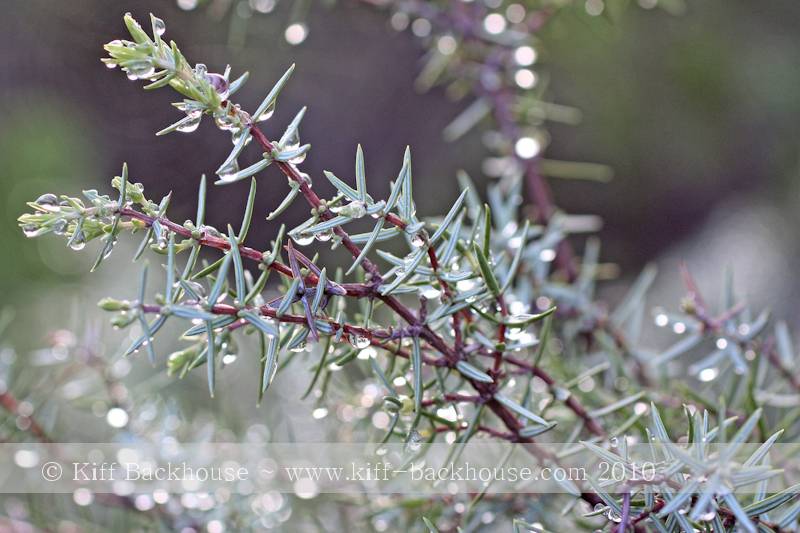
{"type": "Point", "coordinates": [294, 189]}
{"type": "Point", "coordinates": [361, 176]}
{"type": "Point", "coordinates": [407, 210]}
{"type": "Point", "coordinates": [341, 186]}
{"type": "Point", "coordinates": [269, 100]}
{"type": "Point", "coordinates": [241, 142]}
{"type": "Point", "coordinates": [245, 172]}
{"type": "Point", "coordinates": [448, 219]}
{"type": "Point", "coordinates": [201, 202]}
{"type": "Point", "coordinates": [216, 290]}
{"type": "Point", "coordinates": [288, 297]}
{"type": "Point", "coordinates": [270, 364]}
{"type": "Point", "coordinates": [373, 237]}
{"type": "Point", "coordinates": [237, 84]}
{"type": "Point", "coordinates": [514, 406]}
{"type": "Point", "coordinates": [170, 267]}
{"type": "Point", "coordinates": [248, 212]}
{"type": "Point", "coordinates": [211, 363]}
{"type": "Point", "coordinates": [258, 286]}
{"type": "Point", "coordinates": [487, 229]}
{"type": "Point", "coordinates": [474, 373]}
{"type": "Point", "coordinates": [416, 364]}
{"type": "Point", "coordinates": [486, 270]}
{"type": "Point", "coordinates": [293, 126]}
{"type": "Point", "coordinates": [320, 292]}
{"type": "Point", "coordinates": [267, 327]}
{"type": "Point", "coordinates": [238, 270]}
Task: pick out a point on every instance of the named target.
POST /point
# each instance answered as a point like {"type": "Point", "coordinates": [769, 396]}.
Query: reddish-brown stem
{"type": "Point", "coordinates": [496, 433]}
{"type": "Point", "coordinates": [501, 335]}
{"type": "Point", "coordinates": [375, 335]}
{"type": "Point", "coordinates": [450, 397]}
{"type": "Point", "coordinates": [218, 243]}
{"type": "Point", "coordinates": [646, 514]}
{"type": "Point", "coordinates": [626, 513]}
{"type": "Point", "coordinates": [353, 289]}
{"type": "Point", "coordinates": [448, 292]}
{"type": "Point", "coordinates": [572, 402]}
{"type": "Point", "coordinates": [10, 404]}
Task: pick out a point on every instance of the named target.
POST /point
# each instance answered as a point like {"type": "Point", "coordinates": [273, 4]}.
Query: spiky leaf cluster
{"type": "Point", "coordinates": [481, 322]}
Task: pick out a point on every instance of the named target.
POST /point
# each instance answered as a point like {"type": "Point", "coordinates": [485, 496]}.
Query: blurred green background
{"type": "Point", "coordinates": [696, 111]}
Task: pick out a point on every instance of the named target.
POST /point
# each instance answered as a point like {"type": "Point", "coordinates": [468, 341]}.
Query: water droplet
{"type": "Point", "coordinates": [547, 255]}
{"type": "Point", "coordinates": [299, 348]}
{"type": "Point", "coordinates": [561, 394]}
{"type": "Point", "coordinates": [527, 147]}
{"type": "Point", "coordinates": [414, 442]}
{"type": "Point", "coordinates": [228, 172]}
{"type": "Point", "coordinates": [210, 230]}
{"type": "Point", "coordinates": [613, 442]}
{"type": "Point", "coordinates": [228, 358]}
{"type": "Point", "coordinates": [30, 230]}
{"type": "Point", "coordinates": [430, 292]}
{"type": "Point", "coordinates": [324, 236]}
{"type": "Point", "coordinates": [196, 287]}
{"type": "Point", "coordinates": [525, 56]}
{"type": "Point", "coordinates": [296, 33]}
{"type": "Point", "coordinates": [465, 285]}
{"type": "Point", "coordinates": [225, 121]}
{"type": "Point", "coordinates": [139, 70]}
{"type": "Point", "coordinates": [219, 83]}
{"type": "Point", "coordinates": [417, 240]}
{"type": "Point", "coordinates": [60, 227]}
{"type": "Point", "coordinates": [79, 242]}
{"type": "Point", "coordinates": [47, 199]}
{"type": "Point", "coordinates": [238, 133]}
{"type": "Point", "coordinates": [158, 26]}
{"type": "Point", "coordinates": [408, 262]}
{"type": "Point", "coordinates": [708, 374]}
{"type": "Point", "coordinates": [359, 341]}
{"type": "Point", "coordinates": [190, 123]}
{"type": "Point", "coordinates": [599, 507]}
{"type": "Point", "coordinates": [267, 114]}
{"type": "Point", "coordinates": [298, 159]}
{"type": "Point", "coordinates": [108, 249]}
{"type": "Point", "coordinates": [613, 516]}
{"type": "Point", "coordinates": [367, 353]}
{"type": "Point", "coordinates": [354, 209]}
{"type": "Point", "coordinates": [303, 239]}
{"type": "Point", "coordinates": [117, 417]}
{"type": "Point", "coordinates": [200, 69]}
